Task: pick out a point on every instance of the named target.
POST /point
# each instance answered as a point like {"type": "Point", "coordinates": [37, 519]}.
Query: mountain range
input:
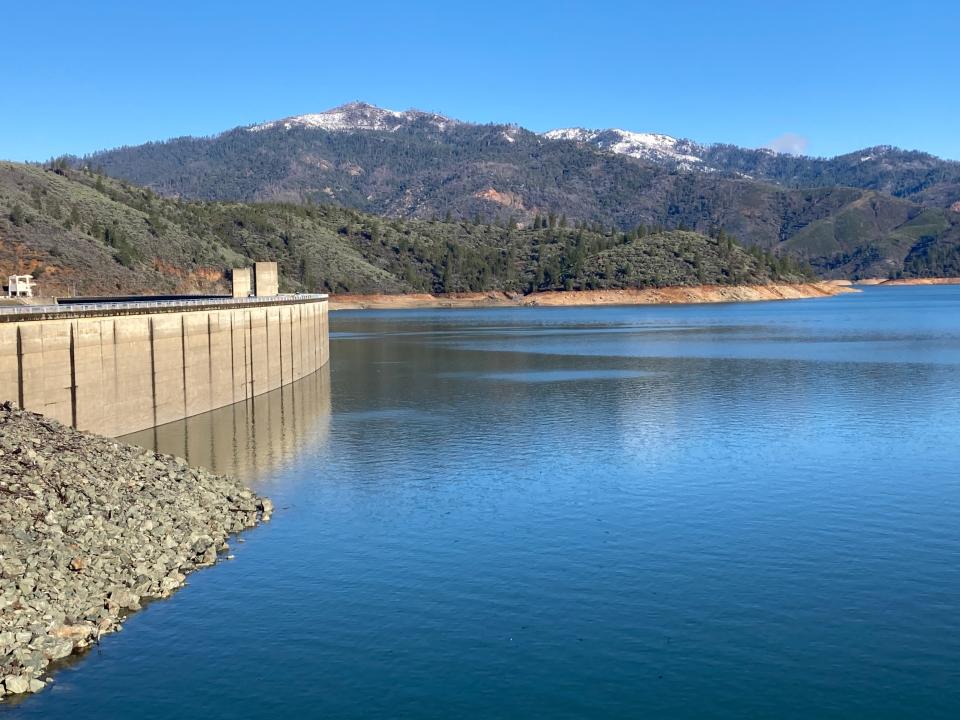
{"type": "Point", "coordinates": [880, 211]}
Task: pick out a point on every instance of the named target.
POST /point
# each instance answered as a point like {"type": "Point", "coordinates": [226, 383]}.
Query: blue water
{"type": "Point", "coordinates": [725, 511]}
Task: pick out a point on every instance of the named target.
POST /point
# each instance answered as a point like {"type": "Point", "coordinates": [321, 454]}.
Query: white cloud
{"type": "Point", "coordinates": [789, 144]}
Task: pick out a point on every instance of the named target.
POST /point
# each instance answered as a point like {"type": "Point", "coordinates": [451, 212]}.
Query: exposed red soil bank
{"type": "Point", "coordinates": [645, 296]}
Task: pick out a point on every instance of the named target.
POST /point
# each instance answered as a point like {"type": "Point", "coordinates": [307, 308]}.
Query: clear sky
{"type": "Point", "coordinates": [827, 77]}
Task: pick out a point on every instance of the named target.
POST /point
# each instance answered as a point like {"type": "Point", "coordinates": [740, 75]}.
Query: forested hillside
{"type": "Point", "coordinates": [852, 216]}
{"type": "Point", "coordinates": [82, 233]}
{"type": "Point", "coordinates": [901, 173]}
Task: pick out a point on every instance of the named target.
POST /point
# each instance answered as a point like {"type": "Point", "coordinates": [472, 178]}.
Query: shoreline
{"type": "Point", "coordinates": [691, 295]}
{"type": "Point", "coordinates": [90, 528]}
{"type": "Point", "coordinates": [909, 281]}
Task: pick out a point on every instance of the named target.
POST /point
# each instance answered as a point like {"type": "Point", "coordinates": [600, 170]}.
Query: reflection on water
{"type": "Point", "coordinates": [550, 376]}
{"type": "Point", "coordinates": [250, 439]}
{"type": "Point", "coordinates": [736, 511]}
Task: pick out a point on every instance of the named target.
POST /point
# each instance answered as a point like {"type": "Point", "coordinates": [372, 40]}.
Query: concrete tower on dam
{"type": "Point", "coordinates": [117, 367]}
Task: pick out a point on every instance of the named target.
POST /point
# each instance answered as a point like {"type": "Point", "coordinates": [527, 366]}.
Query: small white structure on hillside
{"type": "Point", "coordinates": [20, 286]}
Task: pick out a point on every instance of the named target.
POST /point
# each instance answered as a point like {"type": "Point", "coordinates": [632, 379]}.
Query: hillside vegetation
{"type": "Point", "coordinates": [816, 210]}
{"type": "Point", "coordinates": [82, 233]}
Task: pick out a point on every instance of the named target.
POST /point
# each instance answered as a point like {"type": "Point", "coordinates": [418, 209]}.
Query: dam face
{"type": "Point", "coordinates": [115, 368]}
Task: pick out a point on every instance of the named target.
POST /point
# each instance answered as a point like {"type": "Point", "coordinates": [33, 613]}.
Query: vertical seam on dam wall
{"type": "Point", "coordinates": [210, 353]}
{"type": "Point", "coordinates": [153, 371]}
{"type": "Point", "coordinates": [116, 365]}
{"type": "Point", "coordinates": [300, 328]}
{"type": "Point", "coordinates": [73, 373]}
{"type": "Point", "coordinates": [247, 358]}
{"type": "Point", "coordinates": [183, 359]}
{"type": "Point", "coordinates": [251, 390]}
{"type": "Point", "coordinates": [233, 365]}
{"type": "Point", "coordinates": [280, 341]}
{"type": "Point", "coordinates": [91, 371]}
{"type": "Point", "coordinates": [266, 332]}
{"type": "Point", "coordinates": [291, 343]}
{"type": "Point", "coordinates": [19, 368]}
{"type": "Point", "coordinates": [317, 320]}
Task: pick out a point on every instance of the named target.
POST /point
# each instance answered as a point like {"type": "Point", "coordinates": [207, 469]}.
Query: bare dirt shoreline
{"type": "Point", "coordinates": [646, 296]}
{"type": "Point", "coordinates": [910, 281]}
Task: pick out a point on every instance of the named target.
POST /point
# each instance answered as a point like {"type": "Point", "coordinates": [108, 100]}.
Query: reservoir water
{"type": "Point", "coordinates": [718, 511]}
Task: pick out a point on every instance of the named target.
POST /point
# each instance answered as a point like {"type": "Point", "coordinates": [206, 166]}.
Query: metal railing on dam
{"type": "Point", "coordinates": [13, 313]}
{"type": "Point", "coordinates": [118, 367]}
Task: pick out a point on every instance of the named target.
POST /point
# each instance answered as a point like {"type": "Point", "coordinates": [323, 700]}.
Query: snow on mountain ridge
{"type": "Point", "coordinates": [645, 146]}
{"type": "Point", "coordinates": [357, 116]}
{"type": "Point", "coordinates": [575, 134]}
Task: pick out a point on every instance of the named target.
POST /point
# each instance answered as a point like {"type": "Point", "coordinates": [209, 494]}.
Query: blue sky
{"type": "Point", "coordinates": [827, 77]}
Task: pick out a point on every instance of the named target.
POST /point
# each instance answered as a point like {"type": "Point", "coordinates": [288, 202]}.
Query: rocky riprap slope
{"type": "Point", "coordinates": [89, 528]}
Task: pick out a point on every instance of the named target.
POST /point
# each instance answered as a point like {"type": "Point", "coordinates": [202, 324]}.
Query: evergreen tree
{"type": "Point", "coordinates": [447, 280]}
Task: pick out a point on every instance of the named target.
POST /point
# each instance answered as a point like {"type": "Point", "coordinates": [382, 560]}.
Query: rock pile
{"type": "Point", "coordinates": [88, 528]}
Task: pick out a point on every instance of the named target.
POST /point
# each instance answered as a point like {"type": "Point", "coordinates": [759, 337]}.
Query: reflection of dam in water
{"type": "Point", "coordinates": [251, 438]}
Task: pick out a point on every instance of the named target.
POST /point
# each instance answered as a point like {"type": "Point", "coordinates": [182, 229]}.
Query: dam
{"type": "Point", "coordinates": [114, 368]}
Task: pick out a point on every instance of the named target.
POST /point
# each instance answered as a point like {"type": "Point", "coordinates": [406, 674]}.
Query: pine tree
{"type": "Point", "coordinates": [447, 279]}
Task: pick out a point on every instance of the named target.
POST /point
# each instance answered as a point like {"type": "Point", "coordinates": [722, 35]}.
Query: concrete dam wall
{"type": "Point", "coordinates": [117, 368]}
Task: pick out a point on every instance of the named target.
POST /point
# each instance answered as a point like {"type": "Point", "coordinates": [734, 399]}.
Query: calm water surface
{"type": "Point", "coordinates": [718, 511]}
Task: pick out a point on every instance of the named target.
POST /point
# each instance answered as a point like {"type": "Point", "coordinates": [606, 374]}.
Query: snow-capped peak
{"type": "Point", "coordinates": [646, 146]}
{"type": "Point", "coordinates": [357, 116]}
{"type": "Point", "coordinates": [575, 134]}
